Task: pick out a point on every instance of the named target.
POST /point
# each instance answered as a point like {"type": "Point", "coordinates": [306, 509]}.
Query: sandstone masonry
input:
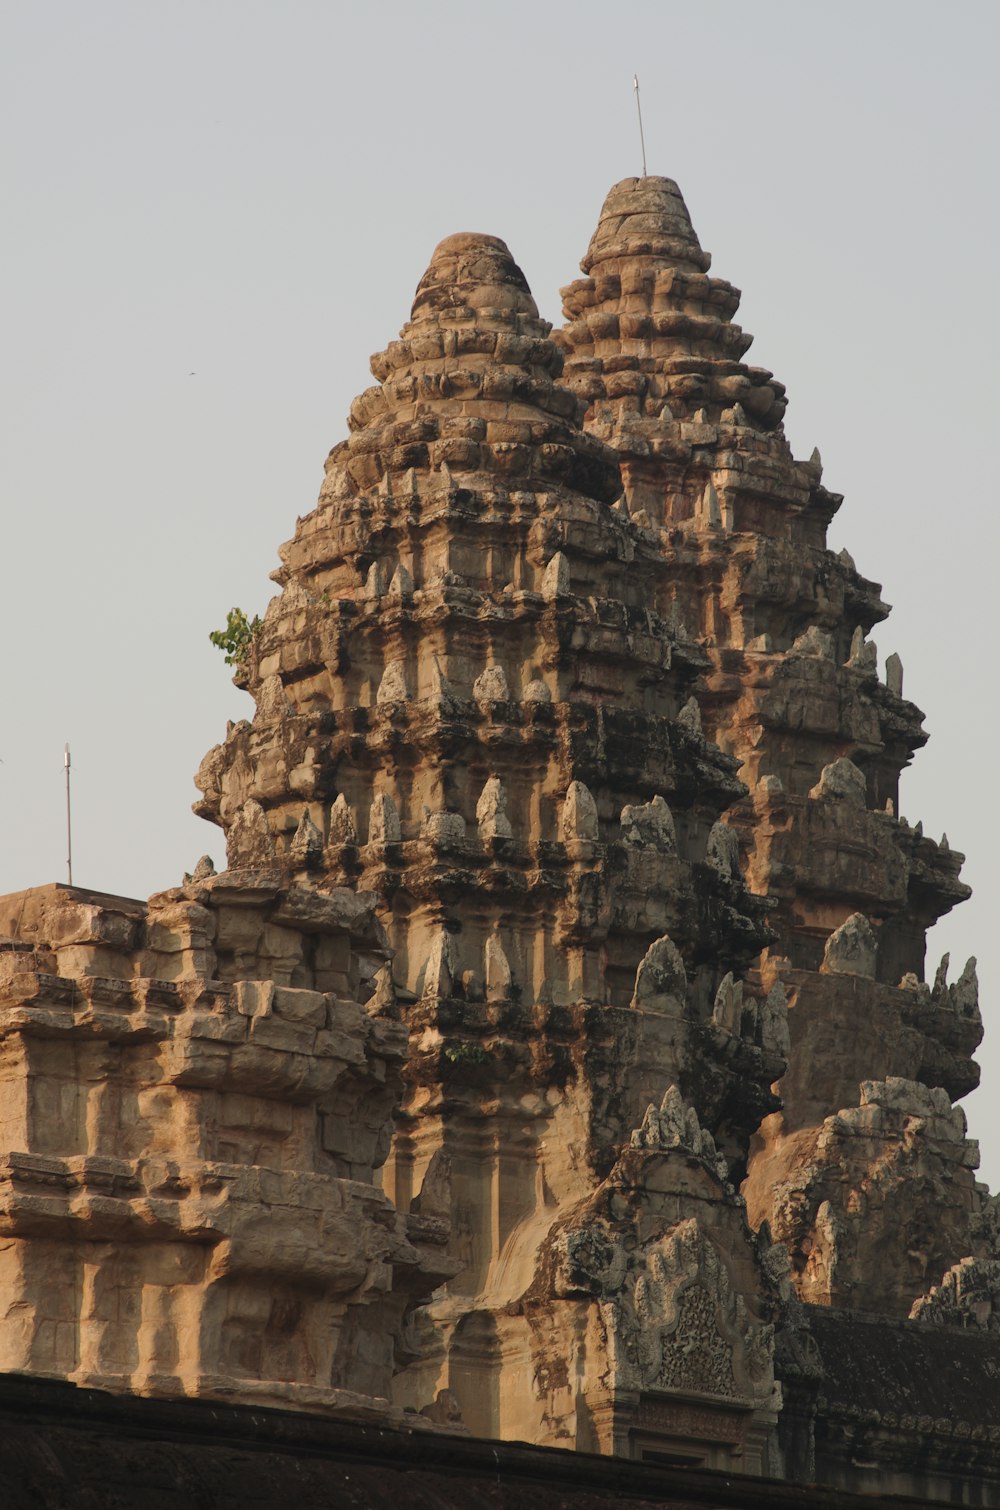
{"type": "Point", "coordinates": [554, 1060]}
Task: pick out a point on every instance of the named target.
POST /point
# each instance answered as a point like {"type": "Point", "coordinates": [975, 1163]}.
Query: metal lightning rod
{"type": "Point", "coordinates": [642, 139]}
{"type": "Point", "coordinates": [69, 821]}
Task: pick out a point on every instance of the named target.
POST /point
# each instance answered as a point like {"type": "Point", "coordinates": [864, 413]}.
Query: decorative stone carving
{"type": "Point", "coordinates": [491, 685]}
{"type": "Point", "coordinates": [968, 1296]}
{"type": "Point", "coordinates": [392, 688]}
{"type": "Point", "coordinates": [661, 980]}
{"type": "Point", "coordinates": [579, 814]}
{"type": "Point", "coordinates": [250, 842]}
{"type": "Point", "coordinates": [800, 696]}
{"type": "Point", "coordinates": [383, 821]}
{"type": "Point", "coordinates": [852, 948]}
{"type": "Point", "coordinates": [342, 830]}
{"type": "Point", "coordinates": [651, 823]}
{"type": "Point", "coordinates": [496, 969]}
{"type": "Point", "coordinates": [842, 779]}
{"type": "Point", "coordinates": [307, 843]}
{"type": "Point", "coordinates": [401, 586]}
{"type": "Point", "coordinates": [210, 1226]}
{"type": "Point", "coordinates": [555, 579]}
{"type": "Point", "coordinates": [894, 674]}
{"type": "Point", "coordinates": [723, 852]}
{"type": "Point", "coordinates": [491, 811]}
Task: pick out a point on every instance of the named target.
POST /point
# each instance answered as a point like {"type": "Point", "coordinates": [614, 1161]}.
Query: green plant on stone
{"type": "Point", "coordinates": [466, 1053]}
{"type": "Point", "coordinates": [238, 635]}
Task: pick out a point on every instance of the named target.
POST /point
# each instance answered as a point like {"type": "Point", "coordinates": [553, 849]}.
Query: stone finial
{"type": "Point", "coordinates": [842, 780]}
{"type": "Point", "coordinates": [773, 1017]}
{"type": "Point", "coordinates": [709, 506]}
{"type": "Point", "coordinates": [536, 691]}
{"type": "Point", "coordinates": [392, 688]}
{"type": "Point", "coordinates": [661, 980]}
{"type": "Point", "coordinates": [434, 1198]}
{"type": "Point", "coordinates": [963, 996]}
{"type": "Point", "coordinates": [690, 716]}
{"type": "Point", "coordinates": [491, 686]}
{"type": "Point", "coordinates": [579, 814]}
{"type": "Point", "coordinates": [814, 642]}
{"type": "Point", "coordinates": [864, 653]}
{"type": "Point", "coordinates": [491, 811]}
{"type": "Point", "coordinates": [894, 674]}
{"type": "Point", "coordinates": [675, 1125]}
{"type": "Point", "coordinates": [401, 586]}
{"type": "Point", "coordinates": [470, 270]}
{"type": "Point", "coordinates": [342, 830]}
{"type": "Point", "coordinates": [446, 830]}
{"type": "Point", "coordinates": [204, 869]}
{"type": "Point", "coordinates": [852, 948]}
{"type": "Point", "coordinates": [439, 970]}
{"type": "Point", "coordinates": [250, 843]}
{"type": "Point", "coordinates": [727, 1010]}
{"type": "Point", "coordinates": [382, 1002]}
{"type": "Point", "coordinates": [722, 852]}
{"type": "Point", "coordinates": [941, 976]}
{"type": "Point", "coordinates": [650, 823]}
{"type": "Point", "coordinates": [375, 582]}
{"type": "Point", "coordinates": [555, 578]}
{"type": "Point", "coordinates": [307, 843]}
{"type": "Point", "coordinates": [383, 821]}
{"type": "Point", "coordinates": [442, 692]}
{"type": "Point", "coordinates": [816, 460]}
{"type": "Point", "coordinates": [496, 969]}
{"type": "Point", "coordinates": [644, 217]}
{"type": "Point", "coordinates": [965, 991]}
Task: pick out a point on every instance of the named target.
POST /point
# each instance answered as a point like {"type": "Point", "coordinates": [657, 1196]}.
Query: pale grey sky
{"type": "Point", "coordinates": [217, 209]}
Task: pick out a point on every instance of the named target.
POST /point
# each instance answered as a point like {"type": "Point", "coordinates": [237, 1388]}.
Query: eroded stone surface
{"type": "Point", "coordinates": [563, 847]}
{"type": "Point", "coordinates": [792, 691]}
{"type": "Point", "coordinates": [198, 1093]}
{"type": "Point", "coordinates": [537, 820]}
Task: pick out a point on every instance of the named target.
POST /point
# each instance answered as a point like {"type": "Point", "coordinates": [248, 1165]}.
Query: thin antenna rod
{"type": "Point", "coordinates": [642, 139]}
{"type": "Point", "coordinates": [69, 821]}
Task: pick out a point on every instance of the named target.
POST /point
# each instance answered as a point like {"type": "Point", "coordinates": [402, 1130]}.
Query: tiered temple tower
{"type": "Point", "coordinates": [864, 1173]}
{"type": "Point", "coordinates": [473, 700]}
{"type": "Point", "coordinates": [555, 1051]}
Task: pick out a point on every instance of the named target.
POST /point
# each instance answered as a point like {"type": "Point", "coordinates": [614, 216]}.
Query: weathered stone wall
{"type": "Point", "coordinates": [194, 1103]}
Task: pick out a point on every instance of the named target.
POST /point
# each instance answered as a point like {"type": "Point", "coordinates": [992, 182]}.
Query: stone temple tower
{"type": "Point", "coordinates": [474, 701]}
{"type": "Point", "coordinates": [865, 1173]}
{"type": "Point", "coordinates": [554, 1060]}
